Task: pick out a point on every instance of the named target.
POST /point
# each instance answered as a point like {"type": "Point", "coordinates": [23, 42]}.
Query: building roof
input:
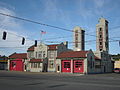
{"type": "Point", "coordinates": [73, 54]}
{"type": "Point", "coordinates": [3, 57]}
{"type": "Point", "coordinates": [31, 48]}
{"type": "Point", "coordinates": [97, 58]}
{"type": "Point", "coordinates": [52, 47]}
{"type": "Point", "coordinates": [36, 60]}
{"type": "Point", "coordinates": [18, 55]}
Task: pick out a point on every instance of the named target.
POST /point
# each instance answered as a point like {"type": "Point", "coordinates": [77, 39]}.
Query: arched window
{"type": "Point", "coordinates": [100, 29]}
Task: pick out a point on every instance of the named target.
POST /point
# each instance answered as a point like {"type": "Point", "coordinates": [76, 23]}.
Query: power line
{"type": "Point", "coordinates": [28, 20]}
{"type": "Point", "coordinates": [1, 47]}
{"type": "Point", "coordinates": [58, 37]}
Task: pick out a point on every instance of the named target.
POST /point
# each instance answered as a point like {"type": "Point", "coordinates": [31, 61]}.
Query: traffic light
{"type": "Point", "coordinates": [119, 43]}
{"type": "Point", "coordinates": [35, 43]}
{"type": "Point", "coordinates": [23, 41]}
{"type": "Point", "coordinates": [4, 35]}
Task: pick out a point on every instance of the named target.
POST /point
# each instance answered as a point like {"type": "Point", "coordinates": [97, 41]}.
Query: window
{"type": "Point", "coordinates": [32, 65]}
{"type": "Point", "coordinates": [97, 64]}
{"type": "Point", "coordinates": [13, 64]}
{"type": "Point", "coordinates": [100, 36]}
{"type": "Point", "coordinates": [36, 54]}
{"type": "Point", "coordinates": [76, 38]}
{"type": "Point", "coordinates": [76, 44]}
{"type": "Point", "coordinates": [39, 65]}
{"type": "Point", "coordinates": [100, 49]}
{"type": "Point", "coordinates": [66, 64]}
{"type": "Point", "coordinates": [78, 64]}
{"type": "Point", "coordinates": [100, 43]}
{"type": "Point", "coordinates": [51, 54]}
{"type": "Point", "coordinates": [39, 55]}
{"type": "Point", "coordinates": [30, 54]}
{"type": "Point", "coordinates": [43, 51]}
{"type": "Point", "coordinates": [36, 65]}
{"type": "Point", "coordinates": [76, 31]}
{"type": "Point", "coordinates": [43, 55]}
{"type": "Point", "coordinates": [51, 64]}
{"type": "Point", "coordinates": [76, 34]}
{"type": "Point", "coordinates": [100, 29]}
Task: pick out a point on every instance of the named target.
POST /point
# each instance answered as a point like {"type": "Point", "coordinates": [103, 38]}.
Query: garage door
{"type": "Point", "coordinates": [16, 65]}
{"type": "Point", "coordinates": [78, 66]}
{"type": "Point", "coordinates": [66, 65]}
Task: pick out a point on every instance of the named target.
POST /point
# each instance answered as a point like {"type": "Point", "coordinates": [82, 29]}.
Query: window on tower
{"type": "Point", "coordinates": [100, 43]}
{"type": "Point", "coordinates": [76, 34]}
{"type": "Point", "coordinates": [100, 36]}
{"type": "Point", "coordinates": [76, 44]}
{"type": "Point", "coordinates": [76, 38]}
{"type": "Point", "coordinates": [76, 31]}
{"type": "Point", "coordinates": [100, 29]}
{"type": "Point", "coordinates": [100, 49]}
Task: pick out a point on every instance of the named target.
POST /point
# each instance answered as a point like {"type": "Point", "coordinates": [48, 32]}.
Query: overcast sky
{"type": "Point", "coordinates": [62, 13]}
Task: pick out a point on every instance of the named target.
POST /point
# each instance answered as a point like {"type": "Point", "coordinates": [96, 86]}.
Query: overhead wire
{"type": "Point", "coordinates": [28, 20]}
{"type": "Point", "coordinates": [36, 22]}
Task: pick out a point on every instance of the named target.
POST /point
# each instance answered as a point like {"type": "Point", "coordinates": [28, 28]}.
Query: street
{"type": "Point", "coordinates": [10, 80]}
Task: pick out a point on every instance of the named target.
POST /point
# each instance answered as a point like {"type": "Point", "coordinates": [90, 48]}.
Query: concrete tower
{"type": "Point", "coordinates": [78, 39]}
{"type": "Point", "coordinates": [102, 42]}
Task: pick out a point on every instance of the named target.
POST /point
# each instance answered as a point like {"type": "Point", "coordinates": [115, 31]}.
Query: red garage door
{"type": "Point", "coordinates": [66, 65]}
{"type": "Point", "coordinates": [78, 66]}
{"type": "Point", "coordinates": [16, 65]}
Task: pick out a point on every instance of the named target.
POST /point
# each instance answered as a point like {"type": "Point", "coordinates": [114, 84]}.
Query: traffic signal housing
{"type": "Point", "coordinates": [35, 43]}
{"type": "Point", "coordinates": [4, 35]}
{"type": "Point", "coordinates": [23, 41]}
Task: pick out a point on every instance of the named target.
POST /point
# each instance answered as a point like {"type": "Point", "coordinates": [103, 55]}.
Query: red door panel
{"type": "Point", "coordinates": [78, 66]}
{"type": "Point", "coordinates": [66, 65]}
{"type": "Point", "coordinates": [16, 65]}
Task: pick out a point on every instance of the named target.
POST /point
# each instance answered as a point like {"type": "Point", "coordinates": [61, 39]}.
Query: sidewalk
{"type": "Point", "coordinates": [48, 73]}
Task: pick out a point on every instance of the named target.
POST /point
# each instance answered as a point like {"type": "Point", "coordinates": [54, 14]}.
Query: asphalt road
{"type": "Point", "coordinates": [51, 81]}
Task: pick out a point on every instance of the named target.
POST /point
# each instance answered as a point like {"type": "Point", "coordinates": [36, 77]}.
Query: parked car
{"type": "Point", "coordinates": [117, 70]}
